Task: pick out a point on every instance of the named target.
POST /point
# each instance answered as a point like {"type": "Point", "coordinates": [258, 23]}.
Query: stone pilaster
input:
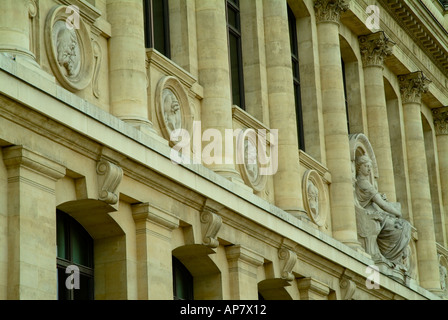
{"type": "Point", "coordinates": [15, 29]}
{"type": "Point", "coordinates": [153, 227]}
{"type": "Point", "coordinates": [127, 64]}
{"type": "Point", "coordinates": [440, 116]}
{"type": "Point", "coordinates": [312, 289]}
{"type": "Point", "coordinates": [374, 48]}
{"type": "Point", "coordinates": [243, 264]}
{"type": "Point", "coordinates": [412, 87]}
{"type": "Point", "coordinates": [335, 121]}
{"type": "Point", "coordinates": [214, 71]}
{"type": "Point", "coordinates": [32, 180]}
{"type": "Point", "coordinates": [287, 180]}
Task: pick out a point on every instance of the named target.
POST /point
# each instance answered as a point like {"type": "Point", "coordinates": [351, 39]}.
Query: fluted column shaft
{"type": "Point", "coordinates": [335, 121]}
{"type": "Point", "coordinates": [128, 83]}
{"type": "Point", "coordinates": [374, 48]}
{"type": "Point", "coordinates": [287, 180]}
{"type": "Point", "coordinates": [412, 87]}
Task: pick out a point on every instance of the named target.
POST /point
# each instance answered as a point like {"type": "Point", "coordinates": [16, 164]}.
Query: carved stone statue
{"type": "Point", "coordinates": [380, 223]}
{"type": "Point", "coordinates": [171, 111]}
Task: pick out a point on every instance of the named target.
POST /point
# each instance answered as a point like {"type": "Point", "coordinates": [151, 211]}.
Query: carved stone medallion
{"type": "Point", "coordinates": [315, 197]}
{"type": "Point", "coordinates": [172, 107]}
{"type": "Point", "coordinates": [248, 160]}
{"type": "Point", "coordinates": [69, 49]}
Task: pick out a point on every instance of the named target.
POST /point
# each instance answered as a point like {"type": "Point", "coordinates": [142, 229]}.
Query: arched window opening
{"type": "Point", "coordinates": [74, 259]}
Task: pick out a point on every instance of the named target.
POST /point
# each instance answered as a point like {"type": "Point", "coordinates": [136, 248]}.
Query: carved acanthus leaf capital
{"type": "Point", "coordinates": [440, 116]}
{"type": "Point", "coordinates": [330, 10]}
{"type": "Point", "coordinates": [412, 86]}
{"type": "Point", "coordinates": [374, 48]}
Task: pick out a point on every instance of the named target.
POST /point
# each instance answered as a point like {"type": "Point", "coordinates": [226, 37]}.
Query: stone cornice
{"type": "Point", "coordinates": [418, 31]}
{"type": "Point", "coordinates": [412, 86]}
{"type": "Point", "coordinates": [440, 116]}
{"type": "Point", "coordinates": [23, 156]}
{"type": "Point", "coordinates": [330, 10]}
{"type": "Point", "coordinates": [374, 48]}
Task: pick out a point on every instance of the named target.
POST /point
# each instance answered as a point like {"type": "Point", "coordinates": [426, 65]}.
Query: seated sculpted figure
{"type": "Point", "coordinates": [392, 232]}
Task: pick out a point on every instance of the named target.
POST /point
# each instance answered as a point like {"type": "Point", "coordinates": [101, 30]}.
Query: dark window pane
{"type": "Point", "coordinates": [85, 291]}
{"type": "Point", "coordinates": [296, 76]}
{"type": "Point", "coordinates": [182, 281]}
{"type": "Point", "coordinates": [235, 69]}
{"type": "Point", "coordinates": [63, 292]}
{"type": "Point", "coordinates": [159, 25]}
{"type": "Point", "coordinates": [156, 17]}
{"type": "Point", "coordinates": [81, 244]}
{"type": "Point", "coordinates": [232, 18]}
{"type": "Point", "coordinates": [61, 237]}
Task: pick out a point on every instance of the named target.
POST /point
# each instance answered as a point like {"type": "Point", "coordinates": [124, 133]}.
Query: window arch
{"type": "Point", "coordinates": [182, 282]}
{"type": "Point", "coordinates": [74, 249]}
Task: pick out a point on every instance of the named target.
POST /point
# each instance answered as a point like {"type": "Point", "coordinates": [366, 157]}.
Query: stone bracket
{"type": "Point", "coordinates": [109, 177]}
{"type": "Point", "coordinates": [211, 223]}
{"type": "Point", "coordinates": [290, 258]}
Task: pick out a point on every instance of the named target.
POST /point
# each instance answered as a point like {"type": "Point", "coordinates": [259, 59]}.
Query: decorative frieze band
{"type": "Point", "coordinates": [374, 48]}
{"type": "Point", "coordinates": [440, 116]}
{"type": "Point", "coordinates": [412, 86]}
{"type": "Point", "coordinates": [330, 10]}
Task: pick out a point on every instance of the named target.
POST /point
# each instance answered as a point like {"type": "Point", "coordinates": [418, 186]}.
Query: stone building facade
{"type": "Point", "coordinates": [350, 100]}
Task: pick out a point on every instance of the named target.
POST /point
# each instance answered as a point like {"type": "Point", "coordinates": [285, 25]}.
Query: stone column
{"type": "Point", "coordinates": [127, 61]}
{"type": "Point", "coordinates": [153, 229]}
{"type": "Point", "coordinates": [15, 29]}
{"type": "Point", "coordinates": [335, 121]}
{"type": "Point", "coordinates": [441, 127]}
{"type": "Point", "coordinates": [412, 87]}
{"type": "Point", "coordinates": [214, 76]}
{"type": "Point", "coordinates": [374, 48]}
{"type": "Point", "coordinates": [32, 251]}
{"type": "Point", "coordinates": [243, 264]}
{"type": "Point", "coordinates": [282, 114]}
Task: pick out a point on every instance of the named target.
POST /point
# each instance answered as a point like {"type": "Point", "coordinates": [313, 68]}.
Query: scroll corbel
{"type": "Point", "coordinates": [290, 258]}
{"type": "Point", "coordinates": [211, 223]}
{"type": "Point", "coordinates": [109, 177]}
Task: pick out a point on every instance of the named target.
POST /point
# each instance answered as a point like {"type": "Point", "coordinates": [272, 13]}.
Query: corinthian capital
{"type": "Point", "coordinates": [374, 48]}
{"type": "Point", "coordinates": [330, 10]}
{"type": "Point", "coordinates": [440, 116]}
{"type": "Point", "coordinates": [412, 86]}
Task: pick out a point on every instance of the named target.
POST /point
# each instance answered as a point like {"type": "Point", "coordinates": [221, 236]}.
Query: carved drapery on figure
{"type": "Point", "coordinates": [382, 230]}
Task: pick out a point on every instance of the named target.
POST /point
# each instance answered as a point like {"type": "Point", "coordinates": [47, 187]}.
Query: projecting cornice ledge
{"type": "Point", "coordinates": [420, 32]}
